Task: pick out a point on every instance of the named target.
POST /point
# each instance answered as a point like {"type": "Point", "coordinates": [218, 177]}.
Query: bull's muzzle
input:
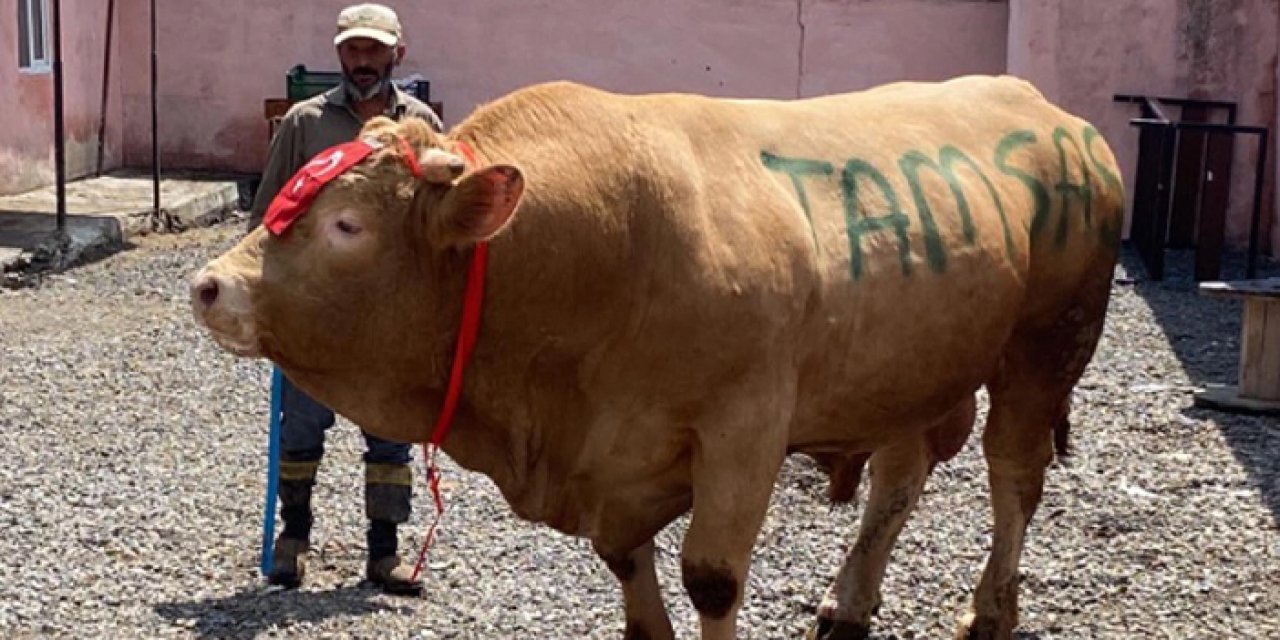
{"type": "Point", "coordinates": [220, 303]}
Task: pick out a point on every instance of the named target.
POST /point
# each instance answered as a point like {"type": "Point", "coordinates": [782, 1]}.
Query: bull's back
{"type": "Point", "coordinates": [884, 243]}
{"type": "Point", "coordinates": [922, 224]}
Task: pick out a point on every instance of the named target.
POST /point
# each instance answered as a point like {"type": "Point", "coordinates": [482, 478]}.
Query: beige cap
{"type": "Point", "coordinates": [368, 21]}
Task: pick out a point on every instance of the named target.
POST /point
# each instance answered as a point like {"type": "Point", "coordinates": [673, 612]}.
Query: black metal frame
{"type": "Point", "coordinates": [59, 130]}
{"type": "Point", "coordinates": [155, 117]}
{"type": "Point", "coordinates": [59, 127]}
{"type": "Point", "coordinates": [1159, 139]}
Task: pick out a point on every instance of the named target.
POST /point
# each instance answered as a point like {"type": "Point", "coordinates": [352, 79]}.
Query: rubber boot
{"type": "Point", "coordinates": [388, 490]}
{"type": "Point", "coordinates": [289, 558]}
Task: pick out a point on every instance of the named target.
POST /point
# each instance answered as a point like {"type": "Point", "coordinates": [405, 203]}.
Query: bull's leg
{"type": "Point", "coordinates": [1018, 445]}
{"type": "Point", "coordinates": [1029, 415]}
{"type": "Point", "coordinates": [898, 474]}
{"type": "Point", "coordinates": [646, 614]}
{"type": "Point", "coordinates": [733, 472]}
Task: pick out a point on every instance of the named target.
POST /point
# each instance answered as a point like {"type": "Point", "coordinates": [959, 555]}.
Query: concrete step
{"type": "Point", "coordinates": [103, 213]}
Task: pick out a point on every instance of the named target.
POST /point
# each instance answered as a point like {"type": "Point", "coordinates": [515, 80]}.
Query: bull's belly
{"type": "Point", "coordinates": [893, 371]}
{"type": "Point", "coordinates": [619, 505]}
{"type": "Point", "coordinates": [861, 422]}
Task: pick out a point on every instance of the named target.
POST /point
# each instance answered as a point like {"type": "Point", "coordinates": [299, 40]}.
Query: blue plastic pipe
{"type": "Point", "coordinates": [273, 475]}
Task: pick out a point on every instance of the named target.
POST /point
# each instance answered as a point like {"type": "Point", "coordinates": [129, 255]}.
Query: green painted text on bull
{"type": "Point", "coordinates": [949, 159]}
{"type": "Point", "coordinates": [911, 163]}
{"type": "Point", "coordinates": [1109, 229]}
{"type": "Point", "coordinates": [857, 225]}
{"type": "Point", "coordinates": [798, 168]}
{"type": "Point", "coordinates": [1069, 190]}
{"type": "Point", "coordinates": [1039, 194]}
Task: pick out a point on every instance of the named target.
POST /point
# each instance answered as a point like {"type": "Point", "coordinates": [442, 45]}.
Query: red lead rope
{"type": "Point", "coordinates": [470, 327]}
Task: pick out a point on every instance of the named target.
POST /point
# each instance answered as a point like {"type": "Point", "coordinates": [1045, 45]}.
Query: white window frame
{"type": "Point", "coordinates": [35, 64]}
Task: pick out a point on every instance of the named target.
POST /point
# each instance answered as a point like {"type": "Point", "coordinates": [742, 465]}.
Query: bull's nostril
{"type": "Point", "coordinates": [207, 291]}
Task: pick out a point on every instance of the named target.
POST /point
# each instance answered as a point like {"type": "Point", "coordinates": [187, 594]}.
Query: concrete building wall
{"type": "Point", "coordinates": [850, 45]}
{"type": "Point", "coordinates": [221, 58]}
{"type": "Point", "coordinates": [1228, 50]}
{"type": "Point", "coordinates": [1084, 53]}
{"type": "Point", "coordinates": [26, 103]}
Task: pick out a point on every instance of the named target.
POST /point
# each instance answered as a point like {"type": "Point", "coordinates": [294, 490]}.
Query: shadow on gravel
{"type": "Point", "coordinates": [1205, 336]}
{"type": "Point", "coordinates": [249, 613]}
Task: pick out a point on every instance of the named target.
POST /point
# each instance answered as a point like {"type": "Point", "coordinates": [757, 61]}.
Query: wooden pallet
{"type": "Point", "coordinates": [1259, 385]}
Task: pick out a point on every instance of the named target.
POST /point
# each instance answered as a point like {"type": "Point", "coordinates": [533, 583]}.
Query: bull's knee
{"type": "Point", "coordinates": [636, 631]}
{"type": "Point", "coordinates": [713, 589]}
{"type": "Point", "coordinates": [623, 567]}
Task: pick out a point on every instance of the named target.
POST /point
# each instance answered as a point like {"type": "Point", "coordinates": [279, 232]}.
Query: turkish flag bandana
{"type": "Point", "coordinates": [295, 198]}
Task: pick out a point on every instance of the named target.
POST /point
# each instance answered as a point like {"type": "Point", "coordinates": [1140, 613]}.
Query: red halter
{"type": "Point", "coordinates": [469, 328]}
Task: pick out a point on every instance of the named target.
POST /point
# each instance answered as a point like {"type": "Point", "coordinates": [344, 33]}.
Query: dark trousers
{"type": "Point", "coordinates": [305, 421]}
{"type": "Point", "coordinates": [388, 477]}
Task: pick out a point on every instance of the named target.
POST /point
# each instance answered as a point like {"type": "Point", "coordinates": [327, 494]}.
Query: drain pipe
{"type": "Point", "coordinates": [59, 141]}
{"type": "Point", "coordinates": [106, 84]}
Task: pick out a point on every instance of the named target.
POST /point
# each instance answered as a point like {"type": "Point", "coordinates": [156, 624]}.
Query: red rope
{"type": "Point", "coordinates": [411, 158]}
{"type": "Point", "coordinates": [469, 329]}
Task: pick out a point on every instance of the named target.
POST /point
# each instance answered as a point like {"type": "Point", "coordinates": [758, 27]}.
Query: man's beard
{"type": "Point", "coordinates": [359, 95]}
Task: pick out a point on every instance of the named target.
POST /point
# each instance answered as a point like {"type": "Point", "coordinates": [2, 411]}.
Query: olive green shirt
{"type": "Point", "coordinates": [315, 124]}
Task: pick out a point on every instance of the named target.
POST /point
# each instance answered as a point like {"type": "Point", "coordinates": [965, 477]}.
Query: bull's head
{"type": "Point", "coordinates": [330, 290]}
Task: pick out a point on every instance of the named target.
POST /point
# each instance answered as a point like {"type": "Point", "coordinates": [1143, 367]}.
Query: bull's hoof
{"type": "Point", "coordinates": [974, 627]}
{"type": "Point", "coordinates": [828, 629]}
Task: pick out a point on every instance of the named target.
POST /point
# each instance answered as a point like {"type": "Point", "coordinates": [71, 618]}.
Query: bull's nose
{"type": "Point", "coordinates": [221, 304]}
{"type": "Point", "coordinates": [205, 289]}
{"type": "Point", "coordinates": [206, 293]}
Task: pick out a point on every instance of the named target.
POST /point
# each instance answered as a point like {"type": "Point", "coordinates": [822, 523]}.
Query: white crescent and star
{"type": "Point", "coordinates": [319, 167]}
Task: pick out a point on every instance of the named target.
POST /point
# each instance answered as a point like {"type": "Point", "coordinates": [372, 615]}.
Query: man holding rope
{"type": "Point", "coordinates": [370, 45]}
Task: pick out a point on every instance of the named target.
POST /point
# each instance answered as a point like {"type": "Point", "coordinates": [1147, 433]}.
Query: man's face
{"type": "Point", "coordinates": [367, 65]}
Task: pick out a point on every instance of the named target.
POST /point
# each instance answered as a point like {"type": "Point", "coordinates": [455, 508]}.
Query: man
{"type": "Point", "coordinates": [369, 45]}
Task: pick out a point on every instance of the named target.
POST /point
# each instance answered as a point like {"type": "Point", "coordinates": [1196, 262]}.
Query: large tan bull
{"type": "Point", "coordinates": [682, 291]}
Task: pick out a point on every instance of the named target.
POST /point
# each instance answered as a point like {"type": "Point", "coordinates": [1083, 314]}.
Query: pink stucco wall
{"type": "Point", "coordinates": [1081, 56]}
{"type": "Point", "coordinates": [212, 74]}
{"type": "Point", "coordinates": [220, 58]}
{"type": "Point", "coordinates": [1275, 158]}
{"type": "Point", "coordinates": [211, 114]}
{"type": "Point", "coordinates": [26, 103]}
{"type": "Point", "coordinates": [853, 45]}
{"type": "Point", "coordinates": [1084, 53]}
{"type": "Point", "coordinates": [1229, 50]}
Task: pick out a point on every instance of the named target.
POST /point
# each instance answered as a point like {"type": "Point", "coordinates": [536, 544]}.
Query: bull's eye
{"type": "Point", "coordinates": [348, 227]}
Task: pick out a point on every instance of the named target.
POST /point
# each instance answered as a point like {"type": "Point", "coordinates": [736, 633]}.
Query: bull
{"type": "Point", "coordinates": [680, 291]}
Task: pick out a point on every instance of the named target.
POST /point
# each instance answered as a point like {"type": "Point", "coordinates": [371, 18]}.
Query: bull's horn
{"type": "Point", "coordinates": [440, 166]}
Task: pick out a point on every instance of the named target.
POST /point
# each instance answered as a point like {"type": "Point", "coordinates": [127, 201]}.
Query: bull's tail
{"type": "Point", "coordinates": [1062, 432]}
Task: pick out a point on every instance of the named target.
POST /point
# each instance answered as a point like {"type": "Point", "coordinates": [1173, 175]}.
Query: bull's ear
{"type": "Point", "coordinates": [480, 205]}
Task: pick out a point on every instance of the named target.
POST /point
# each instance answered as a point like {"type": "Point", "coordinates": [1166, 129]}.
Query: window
{"type": "Point", "coordinates": [33, 36]}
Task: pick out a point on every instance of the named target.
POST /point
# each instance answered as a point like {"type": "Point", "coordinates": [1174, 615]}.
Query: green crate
{"type": "Point", "coordinates": [301, 84]}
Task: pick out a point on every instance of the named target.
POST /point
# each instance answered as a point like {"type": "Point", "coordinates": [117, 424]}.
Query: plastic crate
{"type": "Point", "coordinates": [301, 84]}
{"type": "Point", "coordinates": [420, 89]}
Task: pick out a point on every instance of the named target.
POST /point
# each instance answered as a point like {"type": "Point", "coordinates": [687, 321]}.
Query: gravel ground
{"type": "Point", "coordinates": [132, 479]}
